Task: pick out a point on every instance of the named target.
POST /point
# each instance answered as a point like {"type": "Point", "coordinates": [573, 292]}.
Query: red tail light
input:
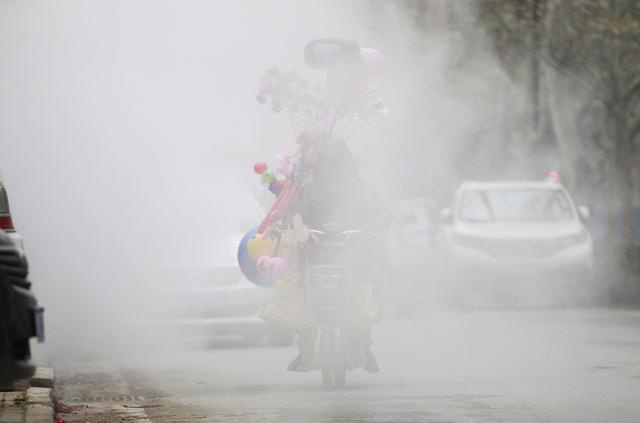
{"type": "Point", "coordinates": [6, 223]}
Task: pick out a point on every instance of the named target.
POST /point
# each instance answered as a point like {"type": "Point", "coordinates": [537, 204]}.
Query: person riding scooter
{"type": "Point", "coordinates": [336, 196]}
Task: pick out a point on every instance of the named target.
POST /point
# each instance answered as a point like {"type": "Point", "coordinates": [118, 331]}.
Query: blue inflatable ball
{"type": "Point", "coordinates": [248, 266]}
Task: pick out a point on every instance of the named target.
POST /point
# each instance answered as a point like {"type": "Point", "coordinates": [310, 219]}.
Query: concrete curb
{"type": "Point", "coordinates": [39, 405]}
{"type": "Point", "coordinates": [39, 397]}
{"type": "Point", "coordinates": [12, 407]}
{"type": "Point", "coordinates": [35, 405]}
{"type": "Point", "coordinates": [44, 377]}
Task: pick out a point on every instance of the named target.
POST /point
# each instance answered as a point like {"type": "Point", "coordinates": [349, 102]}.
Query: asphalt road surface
{"type": "Point", "coordinates": [475, 366]}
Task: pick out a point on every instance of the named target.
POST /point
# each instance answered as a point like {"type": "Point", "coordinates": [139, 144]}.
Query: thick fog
{"type": "Point", "coordinates": [121, 121]}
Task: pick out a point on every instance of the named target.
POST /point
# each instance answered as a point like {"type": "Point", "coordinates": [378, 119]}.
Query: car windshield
{"type": "Point", "coordinates": [514, 205]}
{"type": "Point", "coordinates": [237, 214]}
{"type": "Point", "coordinates": [216, 223]}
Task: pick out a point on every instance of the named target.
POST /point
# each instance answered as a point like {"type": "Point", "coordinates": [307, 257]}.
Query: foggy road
{"type": "Point", "coordinates": [165, 162]}
{"type": "Point", "coordinates": [481, 366]}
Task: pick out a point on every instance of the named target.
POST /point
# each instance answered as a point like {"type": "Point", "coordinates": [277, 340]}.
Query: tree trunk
{"type": "Point", "coordinates": [624, 179]}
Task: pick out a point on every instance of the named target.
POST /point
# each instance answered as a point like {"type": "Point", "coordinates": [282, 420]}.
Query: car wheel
{"type": "Point", "coordinates": [22, 350]}
{"type": "Point", "coordinates": [253, 337]}
{"type": "Point", "coordinates": [585, 295]}
{"type": "Point", "coordinates": [7, 371]}
{"type": "Point", "coordinates": [7, 360]}
{"type": "Point", "coordinates": [340, 377]}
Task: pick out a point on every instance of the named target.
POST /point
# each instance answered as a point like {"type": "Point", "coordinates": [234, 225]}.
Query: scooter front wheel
{"type": "Point", "coordinates": [334, 372]}
{"type": "Point", "coordinates": [326, 350]}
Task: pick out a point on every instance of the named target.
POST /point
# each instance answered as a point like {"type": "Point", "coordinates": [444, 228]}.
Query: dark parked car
{"type": "Point", "coordinates": [20, 316]}
{"type": "Point", "coordinates": [6, 223]}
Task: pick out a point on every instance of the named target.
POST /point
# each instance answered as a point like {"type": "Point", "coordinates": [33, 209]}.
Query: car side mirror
{"type": "Point", "coordinates": [446, 217]}
{"type": "Point", "coordinates": [584, 212]}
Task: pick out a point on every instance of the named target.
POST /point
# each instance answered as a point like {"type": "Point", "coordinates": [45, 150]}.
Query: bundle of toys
{"type": "Point", "coordinates": [268, 254]}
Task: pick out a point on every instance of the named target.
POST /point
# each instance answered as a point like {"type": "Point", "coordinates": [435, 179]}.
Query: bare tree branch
{"type": "Point", "coordinates": [634, 131]}
{"type": "Point", "coordinates": [551, 63]}
{"type": "Point", "coordinates": [634, 88]}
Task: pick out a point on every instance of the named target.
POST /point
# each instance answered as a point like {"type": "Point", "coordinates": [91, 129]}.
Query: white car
{"type": "Point", "coordinates": [517, 232]}
{"type": "Point", "coordinates": [209, 295]}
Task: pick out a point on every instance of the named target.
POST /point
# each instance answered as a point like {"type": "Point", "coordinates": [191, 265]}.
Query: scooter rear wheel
{"type": "Point", "coordinates": [327, 378]}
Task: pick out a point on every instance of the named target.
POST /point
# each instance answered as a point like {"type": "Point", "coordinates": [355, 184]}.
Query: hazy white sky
{"type": "Point", "coordinates": [118, 118]}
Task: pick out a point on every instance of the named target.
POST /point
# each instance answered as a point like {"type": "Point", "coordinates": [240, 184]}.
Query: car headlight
{"type": "Point", "coordinates": [574, 239]}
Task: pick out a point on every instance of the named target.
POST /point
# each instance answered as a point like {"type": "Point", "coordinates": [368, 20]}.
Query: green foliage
{"type": "Point", "coordinates": [600, 40]}
{"type": "Point", "coordinates": [513, 26]}
{"type": "Point", "coordinates": [594, 41]}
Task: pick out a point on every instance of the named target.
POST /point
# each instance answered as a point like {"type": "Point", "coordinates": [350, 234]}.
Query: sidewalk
{"type": "Point", "coordinates": [95, 391]}
{"type": "Point", "coordinates": [31, 402]}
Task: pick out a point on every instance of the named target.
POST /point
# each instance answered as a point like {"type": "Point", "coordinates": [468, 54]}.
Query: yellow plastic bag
{"type": "Point", "coordinates": [287, 306]}
{"type": "Point", "coordinates": [366, 304]}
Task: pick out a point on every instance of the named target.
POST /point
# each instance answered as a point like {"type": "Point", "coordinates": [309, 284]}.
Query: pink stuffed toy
{"type": "Point", "coordinates": [273, 267]}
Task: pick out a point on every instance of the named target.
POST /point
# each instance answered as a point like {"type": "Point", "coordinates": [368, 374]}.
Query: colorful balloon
{"type": "Point", "coordinates": [273, 267]}
{"type": "Point", "coordinates": [260, 168]}
{"type": "Point", "coordinates": [248, 266]}
{"type": "Point", "coordinates": [268, 176]}
{"type": "Point", "coordinates": [261, 245]}
{"type": "Point", "coordinates": [284, 164]}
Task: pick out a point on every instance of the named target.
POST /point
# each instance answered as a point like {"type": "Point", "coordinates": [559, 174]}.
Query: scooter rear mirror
{"type": "Point", "coordinates": [329, 53]}
{"type": "Point", "coordinates": [326, 53]}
